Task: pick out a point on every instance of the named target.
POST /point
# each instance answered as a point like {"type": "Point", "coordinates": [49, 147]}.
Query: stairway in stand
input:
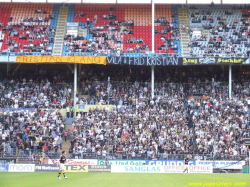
{"type": "Point", "coordinates": [66, 144]}
{"type": "Point", "coordinates": [184, 36]}
{"type": "Point", "coordinates": [60, 31]}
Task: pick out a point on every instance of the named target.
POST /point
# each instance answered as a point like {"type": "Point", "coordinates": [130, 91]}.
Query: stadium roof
{"type": "Point", "coordinates": [132, 1]}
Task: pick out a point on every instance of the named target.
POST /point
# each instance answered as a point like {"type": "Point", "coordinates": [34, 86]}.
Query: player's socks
{"type": "Point", "coordinates": [65, 176]}
{"type": "Point", "coordinates": [59, 174]}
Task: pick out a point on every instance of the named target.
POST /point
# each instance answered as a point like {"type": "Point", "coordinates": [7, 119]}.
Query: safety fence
{"type": "Point", "coordinates": [158, 156]}
{"type": "Point", "coordinates": [89, 54]}
{"type": "Point", "coordinates": [27, 155]}
{"type": "Point", "coordinates": [36, 154]}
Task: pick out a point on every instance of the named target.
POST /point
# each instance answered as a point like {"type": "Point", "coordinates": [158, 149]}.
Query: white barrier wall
{"type": "Point", "coordinates": [126, 166]}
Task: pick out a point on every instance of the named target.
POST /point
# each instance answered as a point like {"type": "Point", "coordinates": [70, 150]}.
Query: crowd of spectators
{"type": "Point", "coordinates": [186, 115]}
{"type": "Point", "coordinates": [31, 131]}
{"type": "Point", "coordinates": [30, 117]}
{"type": "Point", "coordinates": [169, 34]}
{"type": "Point", "coordinates": [36, 90]}
{"type": "Point", "coordinates": [100, 43]}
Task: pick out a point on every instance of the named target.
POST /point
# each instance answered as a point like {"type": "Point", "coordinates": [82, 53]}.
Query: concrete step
{"type": "Point", "coordinates": [69, 121]}
{"type": "Point", "coordinates": [62, 23]}
{"type": "Point", "coordinates": [57, 49]}
{"type": "Point", "coordinates": [58, 46]}
{"type": "Point", "coordinates": [65, 145]}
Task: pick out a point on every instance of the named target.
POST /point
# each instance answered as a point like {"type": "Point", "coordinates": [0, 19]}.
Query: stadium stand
{"type": "Point", "coordinates": [129, 30]}
{"type": "Point", "coordinates": [223, 30]}
{"type": "Point", "coordinates": [126, 29]}
{"type": "Point", "coordinates": [26, 28]}
{"type": "Point", "coordinates": [30, 112]}
{"type": "Point", "coordinates": [228, 28]}
{"type": "Point", "coordinates": [139, 127]}
{"type": "Point", "coordinates": [178, 120]}
{"type": "Point", "coordinates": [151, 134]}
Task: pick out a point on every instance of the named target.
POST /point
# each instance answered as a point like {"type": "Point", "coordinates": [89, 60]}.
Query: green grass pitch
{"type": "Point", "coordinates": [49, 179]}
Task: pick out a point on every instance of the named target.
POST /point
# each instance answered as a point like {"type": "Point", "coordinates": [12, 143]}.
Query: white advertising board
{"type": "Point", "coordinates": [191, 169]}
{"type": "Point", "coordinates": [21, 167]}
{"type": "Point", "coordinates": [160, 169]}
{"type": "Point", "coordinates": [222, 164]}
{"type": "Point", "coordinates": [136, 169]}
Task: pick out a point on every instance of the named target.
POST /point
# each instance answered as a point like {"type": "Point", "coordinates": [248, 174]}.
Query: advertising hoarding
{"type": "Point", "coordinates": [123, 162]}
{"type": "Point", "coordinates": [21, 167]}
{"type": "Point", "coordinates": [99, 168]}
{"type": "Point", "coordinates": [75, 161]}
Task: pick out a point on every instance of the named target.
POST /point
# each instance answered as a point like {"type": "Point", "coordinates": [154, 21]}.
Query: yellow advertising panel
{"type": "Point", "coordinates": [62, 59]}
{"type": "Point", "coordinates": [76, 168]}
{"type": "Point", "coordinates": [86, 108]}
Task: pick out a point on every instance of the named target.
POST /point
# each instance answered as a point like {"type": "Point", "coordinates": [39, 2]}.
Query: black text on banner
{"type": "Point", "coordinates": [144, 61]}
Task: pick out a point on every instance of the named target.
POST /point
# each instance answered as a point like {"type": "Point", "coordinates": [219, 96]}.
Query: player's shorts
{"type": "Point", "coordinates": [61, 166]}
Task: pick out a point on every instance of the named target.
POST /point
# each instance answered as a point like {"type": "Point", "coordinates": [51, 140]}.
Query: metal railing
{"type": "Point", "coordinates": [28, 154]}
{"type": "Point", "coordinates": [159, 156]}
{"type": "Point", "coordinates": [122, 55]}
{"type": "Point", "coordinates": [33, 155]}
{"type": "Point", "coordinates": [49, 53]}
{"type": "Point", "coordinates": [88, 54]}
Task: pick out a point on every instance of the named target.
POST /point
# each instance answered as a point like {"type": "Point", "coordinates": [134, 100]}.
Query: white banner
{"type": "Point", "coordinates": [75, 161]}
{"type": "Point", "coordinates": [160, 169]}
{"type": "Point", "coordinates": [191, 169]}
{"type": "Point", "coordinates": [136, 169]}
{"type": "Point", "coordinates": [21, 167]}
{"type": "Point", "coordinates": [222, 164]}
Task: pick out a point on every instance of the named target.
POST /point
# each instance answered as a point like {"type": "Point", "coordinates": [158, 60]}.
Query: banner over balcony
{"type": "Point", "coordinates": [62, 59]}
{"type": "Point", "coordinates": [144, 61]}
{"type": "Point", "coordinates": [213, 61]}
{"type": "Point", "coordinates": [175, 61]}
